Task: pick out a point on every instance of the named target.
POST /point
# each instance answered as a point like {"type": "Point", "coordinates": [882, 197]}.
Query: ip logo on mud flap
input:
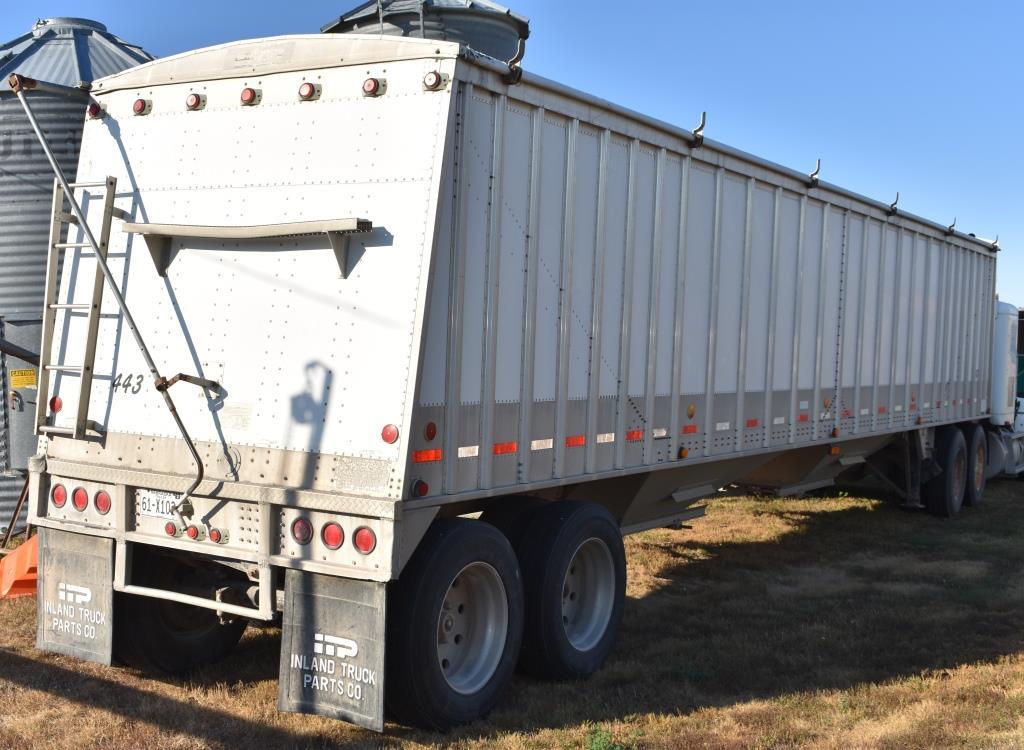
{"type": "Point", "coordinates": [72, 594]}
{"type": "Point", "coordinates": [330, 645]}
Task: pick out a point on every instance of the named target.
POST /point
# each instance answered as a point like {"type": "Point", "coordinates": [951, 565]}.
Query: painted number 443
{"type": "Point", "coordinates": [128, 383]}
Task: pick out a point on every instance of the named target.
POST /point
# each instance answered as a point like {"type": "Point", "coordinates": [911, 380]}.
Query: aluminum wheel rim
{"type": "Point", "coordinates": [472, 627]}
{"type": "Point", "coordinates": [588, 594]}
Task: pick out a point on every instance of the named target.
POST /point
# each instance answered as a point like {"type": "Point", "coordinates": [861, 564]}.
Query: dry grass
{"type": "Point", "coordinates": [828, 622]}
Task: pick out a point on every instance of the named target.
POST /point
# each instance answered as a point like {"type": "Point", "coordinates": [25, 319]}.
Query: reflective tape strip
{"type": "Point", "coordinates": [659, 432]}
{"type": "Point", "coordinates": [634, 436]}
{"type": "Point", "coordinates": [722, 426]}
{"type": "Point", "coordinates": [427, 456]}
{"type": "Point", "coordinates": [575, 441]}
{"type": "Point", "coordinates": [751, 423]}
{"type": "Point", "coordinates": [779, 420]}
{"type": "Point", "coordinates": [804, 418]}
{"type": "Point", "coordinates": [898, 407]}
{"type": "Point", "coordinates": [542, 445]}
{"type": "Point", "coordinates": [501, 449]}
{"type": "Point", "coordinates": [882, 410]}
{"type": "Point", "coordinates": [690, 429]}
{"type": "Point", "coordinates": [606, 437]}
{"type": "Point", "coordinates": [865, 412]}
{"type": "Point", "coordinates": [469, 451]}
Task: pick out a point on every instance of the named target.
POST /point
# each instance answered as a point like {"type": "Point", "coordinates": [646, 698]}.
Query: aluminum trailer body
{"type": "Point", "coordinates": [415, 291]}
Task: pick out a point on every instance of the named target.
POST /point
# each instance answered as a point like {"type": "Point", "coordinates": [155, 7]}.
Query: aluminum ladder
{"type": "Point", "coordinates": [47, 368]}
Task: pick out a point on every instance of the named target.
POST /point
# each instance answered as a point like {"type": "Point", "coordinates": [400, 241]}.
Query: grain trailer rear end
{"type": "Point", "coordinates": [393, 283]}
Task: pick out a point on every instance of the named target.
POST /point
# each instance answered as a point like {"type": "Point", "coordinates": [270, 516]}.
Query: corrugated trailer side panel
{"type": "Point", "coordinates": [611, 302]}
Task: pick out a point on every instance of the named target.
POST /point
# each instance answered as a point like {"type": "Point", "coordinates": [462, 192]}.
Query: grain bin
{"type": "Point", "coordinates": [71, 52]}
{"type": "Point", "coordinates": [487, 27]}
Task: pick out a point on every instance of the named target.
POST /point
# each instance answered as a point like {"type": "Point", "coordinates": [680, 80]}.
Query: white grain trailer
{"type": "Point", "coordinates": [403, 289]}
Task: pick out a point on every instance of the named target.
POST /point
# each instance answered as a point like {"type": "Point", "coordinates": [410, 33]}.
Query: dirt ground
{"type": "Point", "coordinates": [828, 622]}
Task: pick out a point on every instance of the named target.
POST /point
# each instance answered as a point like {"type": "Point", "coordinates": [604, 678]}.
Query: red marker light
{"type": "Point", "coordinates": [170, 529]}
{"type": "Point", "coordinates": [420, 488]}
{"type": "Point", "coordinates": [302, 531]}
{"type": "Point", "coordinates": [56, 404]}
{"type": "Point", "coordinates": [102, 502]}
{"type": "Point", "coordinates": [433, 80]}
{"type": "Point", "coordinates": [216, 536]}
{"type": "Point", "coordinates": [194, 101]}
{"type": "Point", "coordinates": [364, 540]}
{"type": "Point", "coordinates": [373, 87]}
{"type": "Point", "coordinates": [192, 532]}
{"type": "Point", "coordinates": [80, 499]}
{"type": "Point", "coordinates": [430, 431]}
{"type": "Point", "coordinates": [309, 91]}
{"type": "Point", "coordinates": [94, 110]}
{"type": "Point", "coordinates": [59, 496]}
{"type": "Point", "coordinates": [332, 535]}
{"type": "Point", "coordinates": [249, 96]}
{"type": "Point", "coordinates": [141, 107]}
{"type": "Point", "coordinates": [389, 434]}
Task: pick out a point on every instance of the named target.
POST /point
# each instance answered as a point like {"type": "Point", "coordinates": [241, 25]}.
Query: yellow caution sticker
{"type": "Point", "coordinates": [22, 378]}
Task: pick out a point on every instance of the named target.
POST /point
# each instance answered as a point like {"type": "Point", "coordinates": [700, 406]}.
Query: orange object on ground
{"type": "Point", "coordinates": [18, 570]}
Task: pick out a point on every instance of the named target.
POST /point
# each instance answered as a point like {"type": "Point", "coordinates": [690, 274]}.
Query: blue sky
{"type": "Point", "coordinates": [924, 98]}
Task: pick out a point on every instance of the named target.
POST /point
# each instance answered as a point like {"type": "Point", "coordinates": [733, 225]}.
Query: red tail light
{"type": "Point", "coordinates": [94, 110]}
{"type": "Point", "coordinates": [192, 532]}
{"type": "Point", "coordinates": [332, 535]}
{"type": "Point", "coordinates": [59, 495]}
{"type": "Point", "coordinates": [389, 434]}
{"type": "Point", "coordinates": [374, 86]}
{"type": "Point", "coordinates": [309, 91]}
{"type": "Point", "coordinates": [420, 488]}
{"type": "Point", "coordinates": [302, 531]}
{"type": "Point", "coordinates": [142, 106]}
{"type": "Point", "coordinates": [102, 502]}
{"type": "Point", "coordinates": [364, 540]}
{"type": "Point", "coordinates": [170, 528]}
{"type": "Point", "coordinates": [194, 101]}
{"type": "Point", "coordinates": [250, 96]}
{"type": "Point", "coordinates": [217, 536]}
{"type": "Point", "coordinates": [80, 499]}
{"type": "Point", "coordinates": [56, 404]}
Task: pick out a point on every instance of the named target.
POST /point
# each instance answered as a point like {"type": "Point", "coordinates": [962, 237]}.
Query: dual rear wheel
{"type": "Point", "coordinates": [545, 593]}
{"type": "Point", "coordinates": [962, 454]}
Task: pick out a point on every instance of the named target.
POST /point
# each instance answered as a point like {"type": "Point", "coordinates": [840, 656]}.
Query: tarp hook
{"type": "Point", "coordinates": [698, 132]}
{"type": "Point", "coordinates": [814, 175]}
{"type": "Point", "coordinates": [892, 206]}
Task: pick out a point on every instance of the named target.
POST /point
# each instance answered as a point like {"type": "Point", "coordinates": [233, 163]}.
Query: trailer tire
{"type": "Point", "coordinates": [454, 627]}
{"type": "Point", "coordinates": [977, 463]}
{"type": "Point", "coordinates": [944, 494]}
{"type": "Point", "coordinates": [574, 575]}
{"type": "Point", "coordinates": [162, 636]}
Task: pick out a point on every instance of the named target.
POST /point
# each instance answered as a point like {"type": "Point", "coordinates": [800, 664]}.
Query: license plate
{"type": "Point", "coordinates": [156, 504]}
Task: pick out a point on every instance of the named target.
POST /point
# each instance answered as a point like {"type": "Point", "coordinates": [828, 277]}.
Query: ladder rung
{"type": "Point", "coordinates": [64, 368]}
{"type": "Point", "coordinates": [64, 306]}
{"type": "Point", "coordinates": [50, 429]}
{"type": "Point", "coordinates": [67, 245]}
{"type": "Point", "coordinates": [73, 185]}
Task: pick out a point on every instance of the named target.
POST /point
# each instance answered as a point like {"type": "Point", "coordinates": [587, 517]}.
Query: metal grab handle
{"type": "Point", "coordinates": [19, 85]}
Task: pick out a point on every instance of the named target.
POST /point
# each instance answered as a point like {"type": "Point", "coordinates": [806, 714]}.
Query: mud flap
{"type": "Point", "coordinates": [332, 648]}
{"type": "Point", "coordinates": [76, 595]}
